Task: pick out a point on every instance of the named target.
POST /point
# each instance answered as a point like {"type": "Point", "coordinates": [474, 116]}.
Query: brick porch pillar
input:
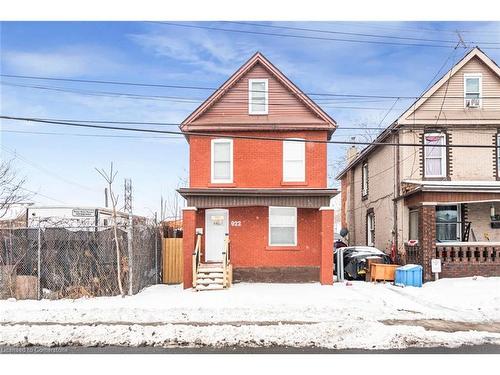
{"type": "Point", "coordinates": [326, 266]}
{"type": "Point", "coordinates": [427, 238]}
{"type": "Point", "coordinates": [188, 243]}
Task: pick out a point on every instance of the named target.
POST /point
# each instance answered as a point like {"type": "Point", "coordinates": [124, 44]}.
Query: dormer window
{"type": "Point", "coordinates": [257, 96]}
{"type": "Point", "coordinates": [472, 90]}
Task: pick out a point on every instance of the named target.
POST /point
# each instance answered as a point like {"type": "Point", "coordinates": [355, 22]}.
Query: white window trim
{"type": "Point", "coordinates": [443, 155]}
{"type": "Point", "coordinates": [303, 158]}
{"type": "Point", "coordinates": [370, 218]}
{"type": "Point", "coordinates": [459, 221]}
{"type": "Point", "coordinates": [474, 75]}
{"type": "Point", "coordinates": [364, 179]}
{"type": "Point", "coordinates": [269, 228]}
{"type": "Point", "coordinates": [213, 179]}
{"type": "Point", "coordinates": [266, 100]}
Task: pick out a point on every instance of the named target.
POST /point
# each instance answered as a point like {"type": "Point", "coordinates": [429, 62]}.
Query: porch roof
{"type": "Point", "coordinates": [452, 186]}
{"type": "Point", "coordinates": [240, 197]}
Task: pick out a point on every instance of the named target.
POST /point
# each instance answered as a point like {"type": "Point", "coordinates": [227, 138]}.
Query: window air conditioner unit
{"type": "Point", "coordinates": [472, 103]}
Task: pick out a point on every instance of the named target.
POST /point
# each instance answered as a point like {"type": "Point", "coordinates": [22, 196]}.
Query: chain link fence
{"type": "Point", "coordinates": [73, 262]}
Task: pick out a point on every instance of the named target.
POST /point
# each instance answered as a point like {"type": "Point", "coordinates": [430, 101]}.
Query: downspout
{"type": "Point", "coordinates": [396, 194]}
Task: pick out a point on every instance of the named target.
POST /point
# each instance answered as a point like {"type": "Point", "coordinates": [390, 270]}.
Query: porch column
{"type": "Point", "coordinates": [427, 238]}
{"type": "Point", "coordinates": [326, 266]}
{"type": "Point", "coordinates": [188, 243]}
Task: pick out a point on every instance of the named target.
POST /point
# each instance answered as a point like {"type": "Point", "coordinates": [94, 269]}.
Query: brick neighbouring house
{"type": "Point", "coordinates": [434, 202]}
{"type": "Point", "coordinates": [269, 196]}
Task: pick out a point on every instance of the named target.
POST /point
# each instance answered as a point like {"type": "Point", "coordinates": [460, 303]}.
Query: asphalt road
{"type": "Point", "coordinates": [476, 349]}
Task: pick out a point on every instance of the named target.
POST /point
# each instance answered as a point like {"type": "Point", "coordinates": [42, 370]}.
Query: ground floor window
{"type": "Point", "coordinates": [370, 228]}
{"type": "Point", "coordinates": [447, 223]}
{"type": "Point", "coordinates": [282, 226]}
{"type": "Point", "coordinates": [413, 225]}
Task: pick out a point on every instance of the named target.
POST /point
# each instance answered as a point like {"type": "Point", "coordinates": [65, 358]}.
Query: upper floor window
{"type": "Point", "coordinates": [222, 161]}
{"type": "Point", "coordinates": [472, 90]}
{"type": "Point", "coordinates": [282, 226]}
{"type": "Point", "coordinates": [434, 155]}
{"type": "Point", "coordinates": [257, 96]}
{"type": "Point", "coordinates": [364, 179]}
{"type": "Point", "coordinates": [294, 161]}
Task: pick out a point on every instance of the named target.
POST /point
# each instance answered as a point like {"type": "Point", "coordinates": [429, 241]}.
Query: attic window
{"type": "Point", "coordinates": [472, 90]}
{"type": "Point", "coordinates": [257, 96]}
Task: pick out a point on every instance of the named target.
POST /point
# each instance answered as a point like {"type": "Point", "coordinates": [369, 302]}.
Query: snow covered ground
{"type": "Point", "coordinates": [338, 316]}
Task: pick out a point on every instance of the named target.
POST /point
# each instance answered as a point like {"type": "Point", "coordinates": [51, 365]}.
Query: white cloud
{"type": "Point", "coordinates": [63, 62]}
{"type": "Point", "coordinates": [216, 54]}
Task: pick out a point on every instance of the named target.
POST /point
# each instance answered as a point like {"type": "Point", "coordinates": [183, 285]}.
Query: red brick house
{"type": "Point", "coordinates": [267, 198]}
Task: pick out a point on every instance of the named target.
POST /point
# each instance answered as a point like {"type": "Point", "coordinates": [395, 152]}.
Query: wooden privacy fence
{"type": "Point", "coordinates": [172, 260]}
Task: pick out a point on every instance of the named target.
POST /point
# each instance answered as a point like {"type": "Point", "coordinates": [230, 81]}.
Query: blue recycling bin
{"type": "Point", "coordinates": [409, 275]}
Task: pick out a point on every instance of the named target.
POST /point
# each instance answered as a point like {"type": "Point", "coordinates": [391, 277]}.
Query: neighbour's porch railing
{"type": "Point", "coordinates": [226, 262]}
{"type": "Point", "coordinates": [196, 258]}
{"type": "Point", "coordinates": [470, 252]}
{"type": "Point", "coordinates": [412, 254]}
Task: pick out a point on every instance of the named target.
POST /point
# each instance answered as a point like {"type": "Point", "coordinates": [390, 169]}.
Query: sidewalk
{"type": "Point", "coordinates": [364, 315]}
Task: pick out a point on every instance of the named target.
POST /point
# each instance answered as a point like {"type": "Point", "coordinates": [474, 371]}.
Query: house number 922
{"type": "Point", "coordinates": [235, 223]}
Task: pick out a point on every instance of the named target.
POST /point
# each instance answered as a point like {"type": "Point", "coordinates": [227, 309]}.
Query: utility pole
{"type": "Point", "coordinates": [127, 197]}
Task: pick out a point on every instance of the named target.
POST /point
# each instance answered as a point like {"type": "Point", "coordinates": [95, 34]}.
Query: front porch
{"type": "Point", "coordinates": [274, 235]}
{"type": "Point", "coordinates": [458, 224]}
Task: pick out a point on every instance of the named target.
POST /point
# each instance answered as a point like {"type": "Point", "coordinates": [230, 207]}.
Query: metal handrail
{"type": "Point", "coordinates": [196, 258]}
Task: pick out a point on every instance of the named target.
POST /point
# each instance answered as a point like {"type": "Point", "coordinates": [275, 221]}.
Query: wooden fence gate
{"type": "Point", "coordinates": [172, 260]}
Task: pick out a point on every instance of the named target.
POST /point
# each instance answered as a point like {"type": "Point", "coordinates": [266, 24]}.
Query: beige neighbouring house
{"type": "Point", "coordinates": [434, 201]}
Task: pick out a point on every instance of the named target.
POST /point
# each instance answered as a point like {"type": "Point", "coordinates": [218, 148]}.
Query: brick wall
{"type": "Point", "coordinates": [249, 242]}
{"type": "Point", "coordinates": [427, 240]}
{"type": "Point", "coordinates": [480, 261]}
{"type": "Point", "coordinates": [465, 269]}
{"type": "Point", "coordinates": [259, 163]}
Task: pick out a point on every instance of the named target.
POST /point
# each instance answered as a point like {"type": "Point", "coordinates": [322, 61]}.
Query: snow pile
{"type": "Point", "coordinates": [337, 316]}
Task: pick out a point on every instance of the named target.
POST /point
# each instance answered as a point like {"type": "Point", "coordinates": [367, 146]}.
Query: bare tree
{"type": "Point", "coordinates": [109, 177]}
{"type": "Point", "coordinates": [11, 187]}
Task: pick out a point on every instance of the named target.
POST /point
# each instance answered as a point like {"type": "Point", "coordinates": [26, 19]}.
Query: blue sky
{"type": "Point", "coordinates": [60, 168]}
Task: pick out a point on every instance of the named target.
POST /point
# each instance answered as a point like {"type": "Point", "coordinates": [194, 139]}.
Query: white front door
{"type": "Point", "coordinates": [216, 227]}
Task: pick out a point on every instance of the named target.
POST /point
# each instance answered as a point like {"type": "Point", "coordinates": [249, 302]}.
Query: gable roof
{"type": "Point", "coordinates": [259, 58]}
{"type": "Point", "coordinates": [475, 52]}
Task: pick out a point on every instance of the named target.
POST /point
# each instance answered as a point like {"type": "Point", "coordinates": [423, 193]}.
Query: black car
{"type": "Point", "coordinates": [355, 260]}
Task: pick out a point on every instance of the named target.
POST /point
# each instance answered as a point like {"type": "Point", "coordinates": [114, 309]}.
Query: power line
{"type": "Point", "coordinates": [305, 36]}
{"type": "Point", "coordinates": [188, 87]}
{"type": "Point", "coordinates": [173, 123]}
{"type": "Point", "coordinates": [154, 123]}
{"type": "Point", "coordinates": [92, 135]}
{"type": "Point", "coordinates": [217, 135]}
{"type": "Point", "coordinates": [180, 99]}
{"type": "Point", "coordinates": [349, 33]}
{"type": "Point", "coordinates": [114, 136]}
{"type": "Point", "coordinates": [42, 195]}
{"type": "Point", "coordinates": [44, 170]}
{"type": "Point", "coordinates": [411, 29]}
